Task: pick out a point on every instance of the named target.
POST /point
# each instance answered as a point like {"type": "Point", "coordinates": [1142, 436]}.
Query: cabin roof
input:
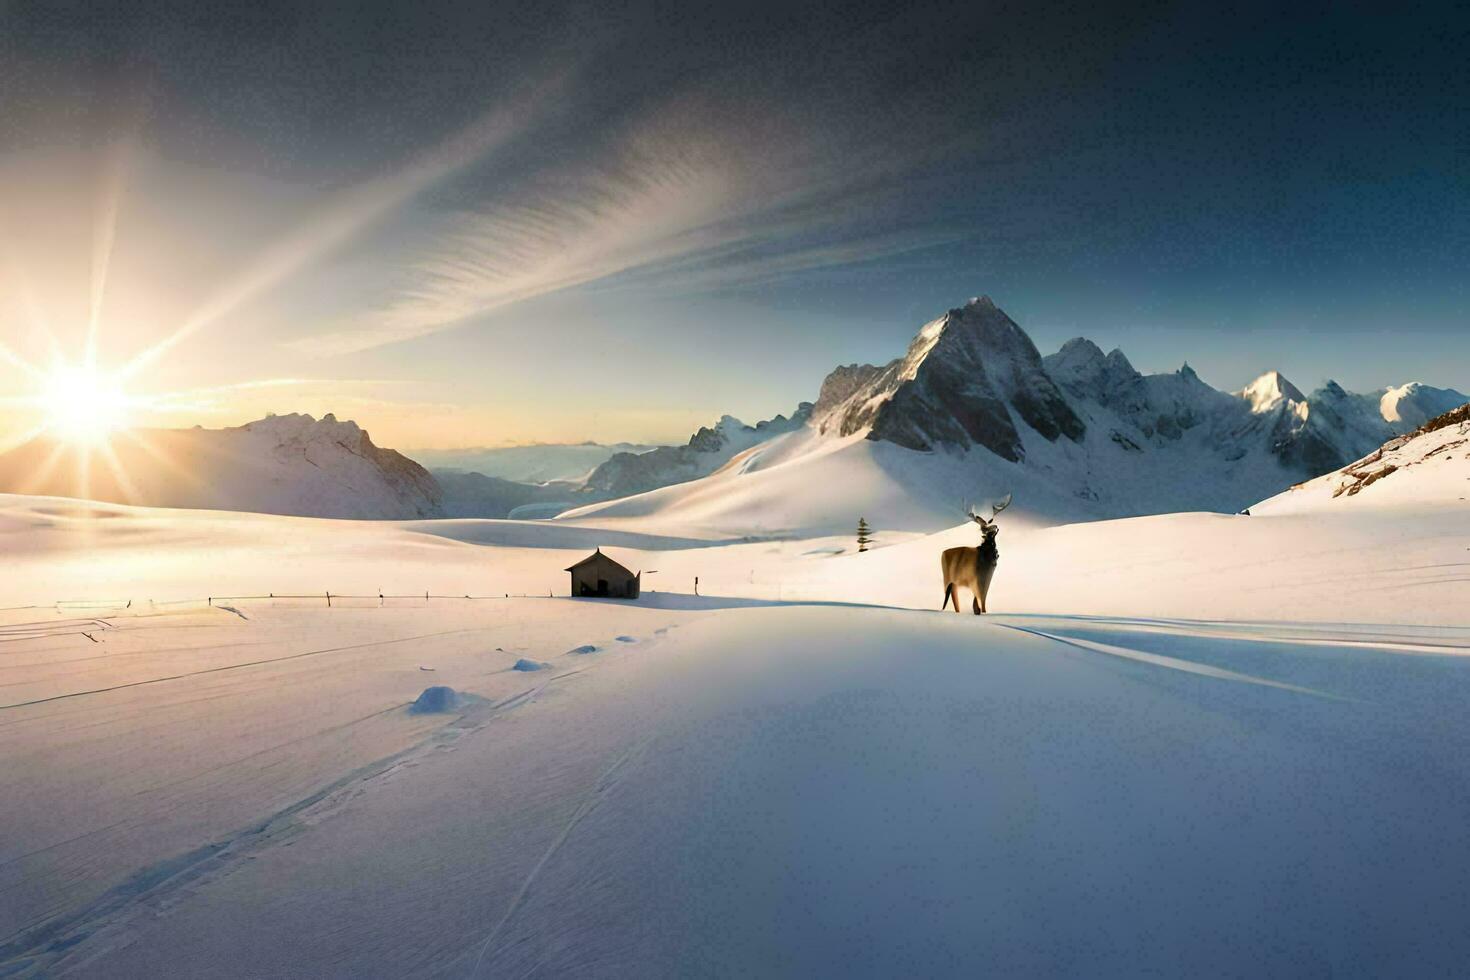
{"type": "Point", "coordinates": [597, 556]}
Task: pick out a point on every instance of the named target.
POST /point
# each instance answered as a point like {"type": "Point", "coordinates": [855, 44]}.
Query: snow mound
{"type": "Point", "coordinates": [529, 665]}
{"type": "Point", "coordinates": [584, 648]}
{"type": "Point", "coordinates": [435, 700]}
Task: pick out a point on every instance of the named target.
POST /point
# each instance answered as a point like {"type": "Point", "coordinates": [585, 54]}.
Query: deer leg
{"type": "Point", "coordinates": [986, 574]}
{"type": "Point", "coordinates": [948, 590]}
{"type": "Point", "coordinates": [975, 606]}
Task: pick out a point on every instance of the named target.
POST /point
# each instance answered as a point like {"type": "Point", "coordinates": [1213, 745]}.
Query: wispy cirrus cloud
{"type": "Point", "coordinates": [678, 205]}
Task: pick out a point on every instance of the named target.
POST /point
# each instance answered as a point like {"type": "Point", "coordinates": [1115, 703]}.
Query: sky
{"type": "Point", "coordinates": [468, 224]}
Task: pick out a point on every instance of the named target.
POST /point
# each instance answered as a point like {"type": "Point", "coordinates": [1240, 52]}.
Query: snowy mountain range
{"type": "Point", "coordinates": [974, 378]}
{"type": "Point", "coordinates": [973, 409]}
{"type": "Point", "coordinates": [282, 464]}
{"type": "Point", "coordinates": [627, 473]}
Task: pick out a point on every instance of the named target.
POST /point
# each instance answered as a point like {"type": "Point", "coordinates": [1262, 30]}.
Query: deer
{"type": "Point", "coordinates": [973, 568]}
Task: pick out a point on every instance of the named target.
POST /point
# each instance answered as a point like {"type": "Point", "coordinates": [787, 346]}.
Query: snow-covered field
{"type": "Point", "coordinates": [1190, 744]}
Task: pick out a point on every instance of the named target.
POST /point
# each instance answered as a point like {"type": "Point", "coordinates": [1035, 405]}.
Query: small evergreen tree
{"type": "Point", "coordinates": [864, 537]}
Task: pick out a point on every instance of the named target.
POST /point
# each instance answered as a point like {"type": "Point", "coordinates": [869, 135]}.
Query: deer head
{"type": "Point", "coordinates": [987, 524]}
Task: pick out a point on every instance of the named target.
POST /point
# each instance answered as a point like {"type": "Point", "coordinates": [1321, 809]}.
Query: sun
{"type": "Point", "coordinates": [84, 405]}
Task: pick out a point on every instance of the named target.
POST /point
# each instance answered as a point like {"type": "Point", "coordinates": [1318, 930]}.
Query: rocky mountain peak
{"type": "Point", "coordinates": [840, 385]}
{"type": "Point", "coordinates": [1269, 391]}
{"type": "Point", "coordinates": [967, 379]}
{"type": "Point", "coordinates": [1083, 370]}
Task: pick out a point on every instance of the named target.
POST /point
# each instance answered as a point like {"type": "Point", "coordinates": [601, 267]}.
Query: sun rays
{"type": "Point", "coordinates": [78, 410]}
{"type": "Point", "coordinates": [351, 211]}
{"type": "Point", "coordinates": [73, 408]}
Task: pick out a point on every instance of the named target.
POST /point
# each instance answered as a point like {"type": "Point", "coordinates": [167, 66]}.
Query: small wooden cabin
{"type": "Point", "coordinates": [599, 576]}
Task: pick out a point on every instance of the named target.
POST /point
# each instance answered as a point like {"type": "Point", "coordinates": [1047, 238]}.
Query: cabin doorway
{"type": "Point", "coordinates": [602, 586]}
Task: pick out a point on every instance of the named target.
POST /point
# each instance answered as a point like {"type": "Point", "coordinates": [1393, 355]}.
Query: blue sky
{"type": "Point", "coordinates": [482, 223]}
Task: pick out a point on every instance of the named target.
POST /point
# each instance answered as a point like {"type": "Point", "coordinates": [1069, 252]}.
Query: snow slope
{"type": "Point", "coordinates": [1426, 469]}
{"type": "Point", "coordinates": [1184, 744]}
{"type": "Point", "coordinates": [803, 485]}
{"type": "Point", "coordinates": [781, 790]}
{"type": "Point", "coordinates": [283, 464]}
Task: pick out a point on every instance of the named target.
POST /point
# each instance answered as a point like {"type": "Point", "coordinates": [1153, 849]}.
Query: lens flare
{"type": "Point", "coordinates": [83, 405]}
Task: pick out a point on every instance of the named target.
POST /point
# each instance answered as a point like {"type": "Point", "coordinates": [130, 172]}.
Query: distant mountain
{"type": "Point", "coordinates": [707, 450]}
{"type": "Point", "coordinates": [623, 473]}
{"type": "Point", "coordinates": [973, 410]}
{"type": "Point", "coordinates": [283, 464]}
{"type": "Point", "coordinates": [541, 463]}
{"type": "Point", "coordinates": [1305, 434]}
{"type": "Point", "coordinates": [478, 495]}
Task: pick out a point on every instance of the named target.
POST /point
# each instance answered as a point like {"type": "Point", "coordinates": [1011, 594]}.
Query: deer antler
{"type": "Point", "coordinates": [997, 508]}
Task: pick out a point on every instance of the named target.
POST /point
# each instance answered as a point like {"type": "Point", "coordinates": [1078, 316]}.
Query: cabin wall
{"type": "Point", "coordinates": [620, 584]}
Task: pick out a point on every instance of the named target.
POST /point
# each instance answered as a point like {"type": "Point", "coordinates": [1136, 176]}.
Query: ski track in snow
{"type": "Point", "coordinates": [32, 949]}
{"type": "Point", "coordinates": [595, 795]}
{"type": "Point", "coordinates": [1171, 663]}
